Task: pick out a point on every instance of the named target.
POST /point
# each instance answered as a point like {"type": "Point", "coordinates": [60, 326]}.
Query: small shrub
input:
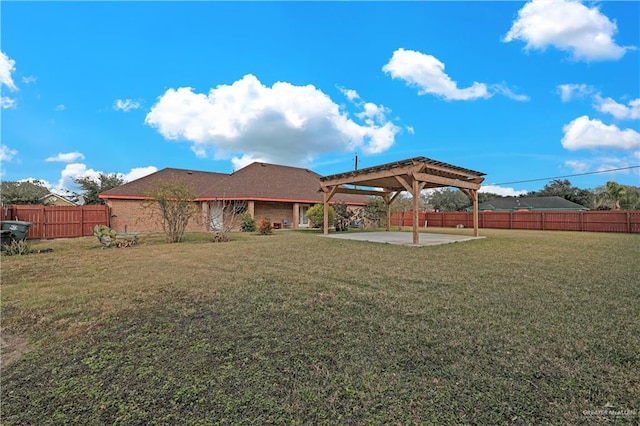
{"type": "Point", "coordinates": [17, 248]}
{"type": "Point", "coordinates": [264, 227]}
{"type": "Point", "coordinates": [316, 215]}
{"type": "Point", "coordinates": [220, 237]}
{"type": "Point", "coordinates": [247, 223]}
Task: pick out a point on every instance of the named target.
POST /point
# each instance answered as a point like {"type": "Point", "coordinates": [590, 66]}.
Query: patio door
{"type": "Point", "coordinates": [216, 215]}
{"type": "Point", "coordinates": [303, 222]}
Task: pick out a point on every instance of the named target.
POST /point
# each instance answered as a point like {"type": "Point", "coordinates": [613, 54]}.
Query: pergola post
{"type": "Point", "coordinates": [325, 227]}
{"type": "Point", "coordinates": [387, 202]}
{"type": "Point", "coordinates": [416, 199]}
{"type": "Point", "coordinates": [327, 193]}
{"type": "Point", "coordinates": [474, 192]}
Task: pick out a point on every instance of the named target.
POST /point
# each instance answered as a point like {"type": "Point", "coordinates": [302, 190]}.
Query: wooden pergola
{"type": "Point", "coordinates": [412, 175]}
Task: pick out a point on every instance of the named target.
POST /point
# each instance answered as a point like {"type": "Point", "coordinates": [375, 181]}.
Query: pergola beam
{"type": "Point", "coordinates": [356, 177]}
{"type": "Point", "coordinates": [404, 183]}
{"type": "Point", "coordinates": [444, 181]}
{"type": "Point", "coordinates": [343, 190]}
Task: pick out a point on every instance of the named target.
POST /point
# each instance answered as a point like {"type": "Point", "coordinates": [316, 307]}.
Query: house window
{"type": "Point", "coordinates": [238, 207]}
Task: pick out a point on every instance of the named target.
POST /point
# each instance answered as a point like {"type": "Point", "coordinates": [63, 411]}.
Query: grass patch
{"type": "Point", "coordinates": [521, 327]}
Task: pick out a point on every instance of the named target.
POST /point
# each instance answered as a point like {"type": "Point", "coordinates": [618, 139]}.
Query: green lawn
{"type": "Point", "coordinates": [522, 327]}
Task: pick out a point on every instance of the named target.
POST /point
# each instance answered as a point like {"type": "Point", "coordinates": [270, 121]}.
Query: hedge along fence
{"type": "Point", "coordinates": [57, 221]}
{"type": "Point", "coordinates": [591, 221]}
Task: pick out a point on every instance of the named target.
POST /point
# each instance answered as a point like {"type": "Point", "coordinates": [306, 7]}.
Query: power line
{"type": "Point", "coordinates": [568, 176]}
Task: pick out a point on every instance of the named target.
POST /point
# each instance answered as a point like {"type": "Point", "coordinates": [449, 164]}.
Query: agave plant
{"type": "Point", "coordinates": [104, 234]}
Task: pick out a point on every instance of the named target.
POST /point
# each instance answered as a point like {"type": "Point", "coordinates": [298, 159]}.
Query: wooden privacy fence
{"type": "Point", "coordinates": [57, 221]}
{"type": "Point", "coordinates": [591, 221]}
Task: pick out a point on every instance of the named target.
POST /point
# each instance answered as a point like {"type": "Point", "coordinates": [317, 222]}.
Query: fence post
{"type": "Point", "coordinates": [581, 221]}
{"type": "Point", "coordinates": [628, 222]}
{"type": "Point", "coordinates": [542, 220]}
{"type": "Point", "coordinates": [42, 219]}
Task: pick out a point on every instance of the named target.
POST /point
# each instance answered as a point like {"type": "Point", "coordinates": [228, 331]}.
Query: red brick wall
{"type": "Point", "coordinates": [134, 216]}
{"type": "Point", "coordinates": [275, 212]}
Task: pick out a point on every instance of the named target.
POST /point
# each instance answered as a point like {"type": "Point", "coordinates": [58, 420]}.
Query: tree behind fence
{"type": "Point", "coordinates": [57, 221]}
{"type": "Point", "coordinates": [591, 221]}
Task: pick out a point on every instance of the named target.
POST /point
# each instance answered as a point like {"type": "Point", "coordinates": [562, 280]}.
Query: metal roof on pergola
{"type": "Point", "coordinates": [412, 175]}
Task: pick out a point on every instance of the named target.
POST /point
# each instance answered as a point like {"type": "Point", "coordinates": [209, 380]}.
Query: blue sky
{"type": "Point", "coordinates": [517, 90]}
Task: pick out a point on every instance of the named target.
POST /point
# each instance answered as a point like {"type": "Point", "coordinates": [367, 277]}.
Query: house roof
{"type": "Point", "coordinates": [198, 182]}
{"type": "Point", "coordinates": [257, 181]}
{"type": "Point", "coordinates": [530, 203]}
{"type": "Point", "coordinates": [67, 200]}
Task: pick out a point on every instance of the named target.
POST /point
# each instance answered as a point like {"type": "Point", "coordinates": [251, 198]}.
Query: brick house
{"type": "Point", "coordinates": [281, 194]}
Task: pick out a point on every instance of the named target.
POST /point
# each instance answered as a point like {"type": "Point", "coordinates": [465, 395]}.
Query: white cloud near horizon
{"type": "Point", "coordinates": [569, 92]}
{"type": "Point", "coordinates": [243, 161]}
{"type": "Point", "coordinates": [66, 157]}
{"type": "Point", "coordinates": [504, 191]}
{"type": "Point", "coordinates": [586, 133]}
{"type": "Point", "coordinates": [567, 25]}
{"type": "Point", "coordinates": [283, 123]}
{"type": "Point", "coordinates": [631, 111]}
{"type": "Point", "coordinates": [138, 172]}
{"type": "Point", "coordinates": [74, 171]}
{"type": "Point", "coordinates": [426, 73]}
{"type": "Point", "coordinates": [125, 105]}
{"type": "Point", "coordinates": [605, 163]}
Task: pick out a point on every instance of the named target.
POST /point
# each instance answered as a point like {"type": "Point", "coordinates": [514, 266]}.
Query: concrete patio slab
{"type": "Point", "coordinates": [402, 238]}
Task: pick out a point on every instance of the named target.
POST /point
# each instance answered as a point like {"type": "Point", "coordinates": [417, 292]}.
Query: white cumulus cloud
{"type": "Point", "coordinates": [125, 105]}
{"type": "Point", "coordinates": [7, 102]}
{"type": "Point", "coordinates": [620, 111]}
{"type": "Point", "coordinates": [7, 67]}
{"type": "Point", "coordinates": [350, 94]}
{"type": "Point", "coordinates": [74, 171]}
{"type": "Point", "coordinates": [569, 92]}
{"type": "Point", "coordinates": [427, 74]}
{"type": "Point", "coordinates": [505, 90]}
{"type": "Point", "coordinates": [66, 157]}
{"type": "Point", "coordinates": [569, 26]}
{"type": "Point", "coordinates": [283, 123]}
{"type": "Point", "coordinates": [586, 133]}
{"type": "Point", "coordinates": [6, 153]}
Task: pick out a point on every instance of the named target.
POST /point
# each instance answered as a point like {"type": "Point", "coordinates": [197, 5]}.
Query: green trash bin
{"type": "Point", "coordinates": [18, 228]}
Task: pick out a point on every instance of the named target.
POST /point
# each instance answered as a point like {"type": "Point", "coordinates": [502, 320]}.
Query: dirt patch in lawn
{"type": "Point", "coordinates": [12, 348]}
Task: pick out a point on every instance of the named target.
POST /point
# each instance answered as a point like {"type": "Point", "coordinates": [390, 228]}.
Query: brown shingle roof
{"type": "Point", "coordinates": [257, 181]}
{"type": "Point", "coordinates": [198, 182]}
